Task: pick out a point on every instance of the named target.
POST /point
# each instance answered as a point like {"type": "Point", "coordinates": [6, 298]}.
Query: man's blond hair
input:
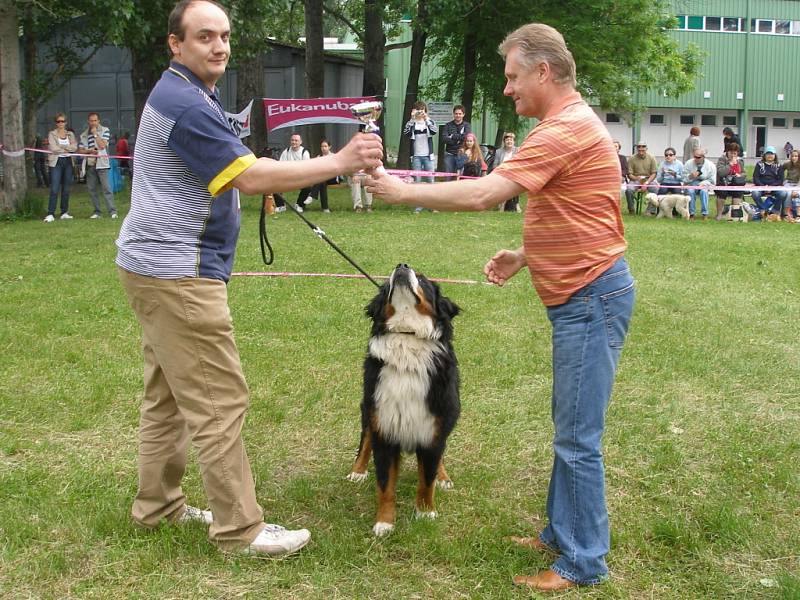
{"type": "Point", "coordinates": [537, 43]}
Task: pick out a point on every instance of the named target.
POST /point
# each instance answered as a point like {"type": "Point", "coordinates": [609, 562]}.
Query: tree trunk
{"type": "Point", "coordinates": [419, 36]}
{"type": "Point", "coordinates": [15, 185]}
{"type": "Point", "coordinates": [29, 108]}
{"type": "Point", "coordinates": [374, 50]}
{"type": "Point", "coordinates": [144, 75]}
{"type": "Point", "coordinates": [315, 68]}
{"type": "Point", "coordinates": [250, 86]}
{"type": "Point", "coordinates": [470, 68]}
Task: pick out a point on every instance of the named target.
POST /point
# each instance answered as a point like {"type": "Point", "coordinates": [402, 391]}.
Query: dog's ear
{"type": "Point", "coordinates": [378, 304]}
{"type": "Point", "coordinates": [445, 306]}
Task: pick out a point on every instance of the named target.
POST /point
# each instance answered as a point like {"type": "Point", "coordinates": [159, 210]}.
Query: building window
{"type": "Point", "coordinates": [612, 118]}
{"type": "Point", "coordinates": [779, 122]}
{"type": "Point", "coordinates": [796, 123]}
{"type": "Point", "coordinates": [729, 120]}
{"type": "Point", "coordinates": [656, 119]}
{"type": "Point", "coordinates": [761, 25]}
{"type": "Point", "coordinates": [710, 120]}
{"type": "Point", "coordinates": [695, 22]}
{"type": "Point", "coordinates": [681, 21]}
{"type": "Point", "coordinates": [759, 120]}
{"type": "Point", "coordinates": [687, 119]}
{"type": "Point", "coordinates": [732, 24]}
{"type": "Point", "coordinates": [783, 27]}
{"type": "Point", "coordinates": [795, 27]}
{"type": "Point", "coordinates": [713, 23]}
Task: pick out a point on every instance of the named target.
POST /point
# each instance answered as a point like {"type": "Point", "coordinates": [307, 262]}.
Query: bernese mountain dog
{"type": "Point", "coordinates": [411, 390]}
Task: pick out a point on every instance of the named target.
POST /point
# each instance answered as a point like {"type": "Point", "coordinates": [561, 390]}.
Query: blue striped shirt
{"type": "Point", "coordinates": [184, 217]}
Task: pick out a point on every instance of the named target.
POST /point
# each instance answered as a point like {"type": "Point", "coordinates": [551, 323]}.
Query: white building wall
{"type": "Point", "coordinates": [672, 132]}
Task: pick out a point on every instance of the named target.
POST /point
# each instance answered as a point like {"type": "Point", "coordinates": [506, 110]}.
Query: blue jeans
{"type": "Point", "coordinates": [588, 334]}
{"type": "Point", "coordinates": [422, 163]}
{"type": "Point", "coordinates": [450, 163]}
{"type": "Point", "coordinates": [703, 200]}
{"type": "Point", "coordinates": [774, 204]}
{"type": "Point", "coordinates": [60, 180]}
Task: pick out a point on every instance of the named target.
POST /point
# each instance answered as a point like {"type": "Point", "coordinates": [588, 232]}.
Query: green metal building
{"type": "Point", "coordinates": [750, 80]}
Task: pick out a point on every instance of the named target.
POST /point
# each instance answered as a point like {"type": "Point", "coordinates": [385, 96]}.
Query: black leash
{"type": "Point", "coordinates": [262, 223]}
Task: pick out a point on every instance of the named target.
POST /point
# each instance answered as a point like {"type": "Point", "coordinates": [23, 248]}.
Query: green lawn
{"type": "Point", "coordinates": [702, 444]}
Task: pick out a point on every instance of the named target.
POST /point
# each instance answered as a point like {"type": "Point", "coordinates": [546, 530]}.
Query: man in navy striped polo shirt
{"type": "Point", "coordinates": [175, 256]}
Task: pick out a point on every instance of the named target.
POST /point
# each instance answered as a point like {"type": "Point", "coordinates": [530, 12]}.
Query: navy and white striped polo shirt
{"type": "Point", "coordinates": [184, 217]}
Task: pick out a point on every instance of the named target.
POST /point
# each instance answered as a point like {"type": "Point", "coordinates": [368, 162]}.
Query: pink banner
{"type": "Point", "coordinates": [280, 113]}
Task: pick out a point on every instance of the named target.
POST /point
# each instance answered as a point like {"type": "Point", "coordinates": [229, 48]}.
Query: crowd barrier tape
{"type": "Point", "coordinates": [409, 173]}
{"type": "Point", "coordinates": [18, 153]}
{"type": "Point", "coordinates": [725, 188]}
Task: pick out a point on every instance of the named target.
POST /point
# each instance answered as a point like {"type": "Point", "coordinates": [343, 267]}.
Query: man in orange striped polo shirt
{"type": "Point", "coordinates": [573, 246]}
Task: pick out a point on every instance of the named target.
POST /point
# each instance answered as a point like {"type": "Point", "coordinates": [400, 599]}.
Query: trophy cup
{"type": "Point", "coordinates": [368, 113]}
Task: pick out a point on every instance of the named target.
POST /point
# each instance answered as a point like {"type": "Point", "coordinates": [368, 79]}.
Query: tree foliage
{"type": "Point", "coordinates": [621, 47]}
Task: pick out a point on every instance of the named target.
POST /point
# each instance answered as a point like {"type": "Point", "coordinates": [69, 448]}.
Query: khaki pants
{"type": "Point", "coordinates": [193, 386]}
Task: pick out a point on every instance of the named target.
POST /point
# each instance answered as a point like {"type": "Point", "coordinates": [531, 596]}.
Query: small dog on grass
{"type": "Point", "coordinates": [667, 203]}
{"type": "Point", "coordinates": [411, 390]}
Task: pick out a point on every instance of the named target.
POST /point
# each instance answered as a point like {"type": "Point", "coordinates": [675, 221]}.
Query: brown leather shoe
{"type": "Point", "coordinates": [546, 581]}
{"type": "Point", "coordinates": [534, 543]}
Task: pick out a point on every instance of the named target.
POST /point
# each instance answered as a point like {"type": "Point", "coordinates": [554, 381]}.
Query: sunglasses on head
{"type": "Point", "coordinates": [670, 154]}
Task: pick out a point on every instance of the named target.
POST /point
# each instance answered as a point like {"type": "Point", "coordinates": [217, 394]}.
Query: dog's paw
{"type": "Point", "coordinates": [444, 484]}
{"type": "Point", "coordinates": [425, 514]}
{"type": "Point", "coordinates": [381, 529]}
{"type": "Point", "coordinates": [357, 477]}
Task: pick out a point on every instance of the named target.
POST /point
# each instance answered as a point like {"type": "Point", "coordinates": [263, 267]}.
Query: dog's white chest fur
{"type": "Point", "coordinates": [402, 414]}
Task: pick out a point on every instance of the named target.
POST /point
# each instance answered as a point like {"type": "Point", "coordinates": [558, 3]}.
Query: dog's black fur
{"type": "Point", "coordinates": [411, 389]}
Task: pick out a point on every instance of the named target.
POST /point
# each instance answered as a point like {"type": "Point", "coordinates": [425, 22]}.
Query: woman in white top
{"type": "Point", "coordinates": [506, 151]}
{"type": "Point", "coordinates": [60, 142]}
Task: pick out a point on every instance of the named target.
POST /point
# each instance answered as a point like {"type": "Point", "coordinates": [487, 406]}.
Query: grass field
{"type": "Point", "coordinates": [702, 445]}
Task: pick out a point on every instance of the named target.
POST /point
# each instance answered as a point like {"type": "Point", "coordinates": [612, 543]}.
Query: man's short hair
{"type": "Point", "coordinates": [538, 42]}
{"type": "Point", "coordinates": [175, 24]}
{"type": "Point", "coordinates": [419, 105]}
{"type": "Point", "coordinates": [694, 131]}
{"type": "Point", "coordinates": [96, 114]}
{"type": "Point", "coordinates": [701, 151]}
{"type": "Point", "coordinates": [459, 107]}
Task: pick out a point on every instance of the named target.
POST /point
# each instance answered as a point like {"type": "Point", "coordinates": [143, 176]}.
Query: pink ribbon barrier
{"type": "Point", "coordinates": [409, 173]}
{"type": "Point", "coordinates": [337, 276]}
{"type": "Point", "coordinates": [725, 188]}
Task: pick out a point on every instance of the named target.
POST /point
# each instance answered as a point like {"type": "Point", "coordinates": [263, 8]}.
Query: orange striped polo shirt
{"type": "Point", "coordinates": [573, 228]}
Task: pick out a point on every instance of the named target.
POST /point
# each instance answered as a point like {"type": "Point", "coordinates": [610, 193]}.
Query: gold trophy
{"type": "Point", "coordinates": [368, 113]}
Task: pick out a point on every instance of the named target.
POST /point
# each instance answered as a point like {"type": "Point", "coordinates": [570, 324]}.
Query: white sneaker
{"type": "Point", "coordinates": [49, 219]}
{"type": "Point", "coordinates": [192, 514]}
{"type": "Point", "coordinates": [113, 215]}
{"type": "Point", "coordinates": [275, 540]}
{"type": "Point", "coordinates": [308, 200]}
{"type": "Point", "coordinates": [280, 209]}
{"type": "Point", "coordinates": [95, 216]}
{"type": "Point", "coordinates": [326, 210]}
{"type": "Point", "coordinates": [65, 216]}
{"type": "Point", "coordinates": [299, 208]}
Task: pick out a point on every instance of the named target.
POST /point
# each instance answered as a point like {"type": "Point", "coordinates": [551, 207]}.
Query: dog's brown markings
{"type": "Point", "coordinates": [389, 311]}
{"type": "Point", "coordinates": [364, 452]}
{"type": "Point", "coordinates": [423, 307]}
{"type": "Point", "coordinates": [388, 496]}
{"type": "Point", "coordinates": [424, 491]}
{"type": "Point", "coordinates": [441, 474]}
